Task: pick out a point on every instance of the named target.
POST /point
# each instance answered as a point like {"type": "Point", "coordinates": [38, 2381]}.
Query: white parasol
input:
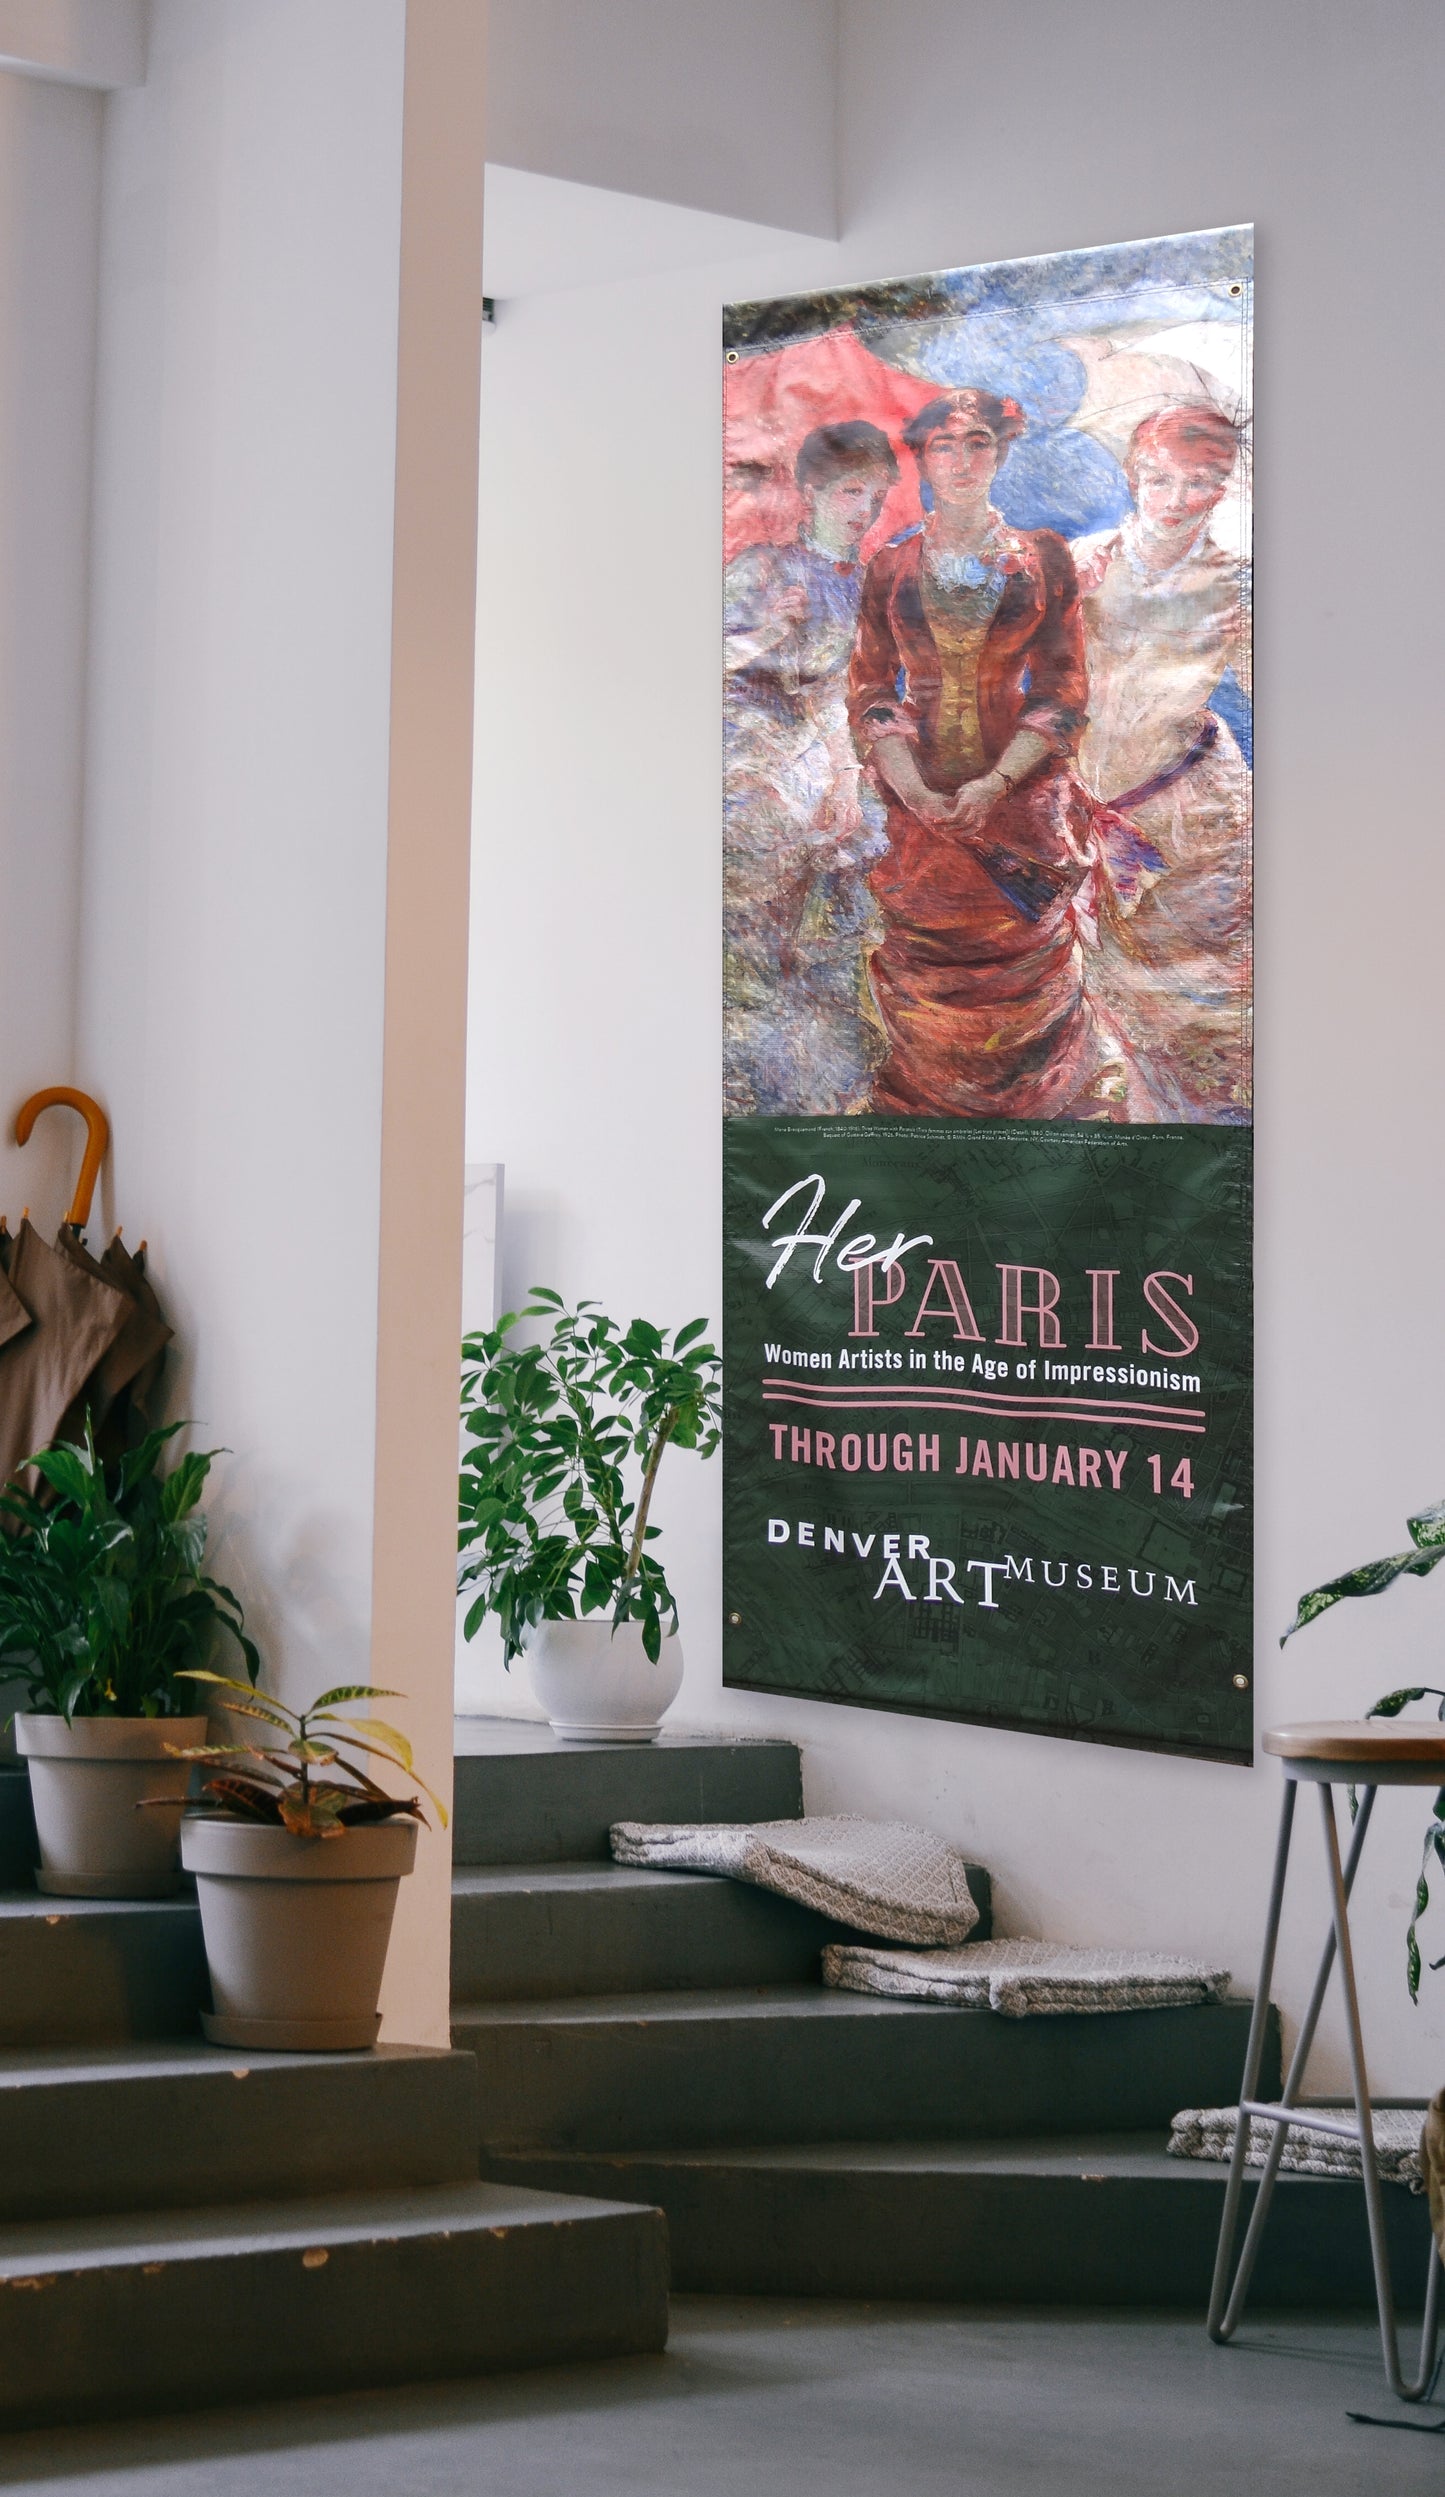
{"type": "Point", "coordinates": [1197, 364]}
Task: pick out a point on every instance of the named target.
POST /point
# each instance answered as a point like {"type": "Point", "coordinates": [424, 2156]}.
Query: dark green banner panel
{"type": "Point", "coordinates": [987, 1436]}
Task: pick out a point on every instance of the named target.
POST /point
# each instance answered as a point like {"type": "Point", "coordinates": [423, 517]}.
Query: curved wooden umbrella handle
{"type": "Point", "coordinates": [97, 1137]}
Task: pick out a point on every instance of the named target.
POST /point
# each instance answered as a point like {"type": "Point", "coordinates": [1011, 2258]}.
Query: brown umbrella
{"type": "Point", "coordinates": [129, 1274]}
{"type": "Point", "coordinates": [77, 1317]}
{"type": "Point", "coordinates": [88, 1338]}
{"type": "Point", "coordinates": [14, 1316]}
{"type": "Point", "coordinates": [125, 1377]}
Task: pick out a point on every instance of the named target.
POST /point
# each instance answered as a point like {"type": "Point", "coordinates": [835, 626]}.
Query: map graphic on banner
{"type": "Point", "coordinates": [988, 995]}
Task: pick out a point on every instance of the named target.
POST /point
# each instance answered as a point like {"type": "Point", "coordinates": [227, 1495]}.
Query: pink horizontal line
{"type": "Point", "coordinates": [962, 1400]}
{"type": "Point", "coordinates": [986, 1398]}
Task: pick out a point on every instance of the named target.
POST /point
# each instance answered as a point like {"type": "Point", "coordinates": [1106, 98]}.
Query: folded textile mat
{"type": "Point", "coordinates": [1208, 2133]}
{"type": "Point", "coordinates": [1020, 1978]}
{"type": "Point", "coordinates": [882, 1877]}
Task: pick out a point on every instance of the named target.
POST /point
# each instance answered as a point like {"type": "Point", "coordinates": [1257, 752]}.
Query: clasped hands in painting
{"type": "Point", "coordinates": [964, 811]}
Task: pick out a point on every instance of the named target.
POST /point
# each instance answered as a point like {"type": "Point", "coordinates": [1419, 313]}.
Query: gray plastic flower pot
{"type": "Point", "coordinates": [296, 1929]}
{"type": "Point", "coordinates": [88, 1781]}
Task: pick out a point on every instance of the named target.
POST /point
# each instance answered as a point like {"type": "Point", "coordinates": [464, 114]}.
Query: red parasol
{"type": "Point", "coordinates": [772, 399]}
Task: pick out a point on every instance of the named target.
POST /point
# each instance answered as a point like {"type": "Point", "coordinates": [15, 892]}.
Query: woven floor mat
{"type": "Point", "coordinates": [1023, 1978]}
{"type": "Point", "coordinates": [881, 1877]}
{"type": "Point", "coordinates": [1208, 2133]}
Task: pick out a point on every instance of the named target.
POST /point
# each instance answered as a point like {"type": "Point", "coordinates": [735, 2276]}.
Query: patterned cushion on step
{"type": "Point", "coordinates": [1208, 2133]}
{"type": "Point", "coordinates": [882, 1877]}
{"type": "Point", "coordinates": [1023, 1977]}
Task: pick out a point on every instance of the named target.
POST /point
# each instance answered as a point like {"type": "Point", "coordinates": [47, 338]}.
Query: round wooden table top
{"type": "Point", "coordinates": [1364, 1739]}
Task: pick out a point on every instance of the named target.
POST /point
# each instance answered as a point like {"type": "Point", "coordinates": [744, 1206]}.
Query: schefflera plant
{"type": "Point", "coordinates": [548, 1529]}
{"type": "Point", "coordinates": [1426, 1551]}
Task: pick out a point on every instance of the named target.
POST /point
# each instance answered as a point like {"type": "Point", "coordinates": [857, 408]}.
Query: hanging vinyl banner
{"type": "Point", "coordinates": [988, 995]}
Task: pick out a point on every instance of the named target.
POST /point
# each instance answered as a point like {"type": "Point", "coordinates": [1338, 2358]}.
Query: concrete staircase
{"type": "Point", "coordinates": [664, 2038]}
{"type": "Point", "coordinates": [181, 2225]}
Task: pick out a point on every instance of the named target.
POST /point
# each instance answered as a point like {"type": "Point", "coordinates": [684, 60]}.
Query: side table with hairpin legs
{"type": "Point", "coordinates": [1365, 1755]}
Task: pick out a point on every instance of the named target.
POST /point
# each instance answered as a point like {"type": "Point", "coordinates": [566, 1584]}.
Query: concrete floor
{"type": "Point", "coordinates": [804, 2399]}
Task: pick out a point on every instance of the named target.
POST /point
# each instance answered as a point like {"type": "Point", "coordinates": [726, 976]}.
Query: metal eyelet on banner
{"type": "Point", "coordinates": [1241, 1681]}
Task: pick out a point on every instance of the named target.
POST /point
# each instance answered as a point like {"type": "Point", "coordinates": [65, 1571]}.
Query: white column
{"type": "Point", "coordinates": [424, 1067]}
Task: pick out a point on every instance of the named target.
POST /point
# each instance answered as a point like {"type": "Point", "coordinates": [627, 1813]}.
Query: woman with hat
{"type": "Point", "coordinates": [967, 696]}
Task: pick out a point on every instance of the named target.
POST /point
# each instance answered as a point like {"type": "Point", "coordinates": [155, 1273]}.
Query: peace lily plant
{"type": "Point", "coordinates": [105, 1606]}
{"type": "Point", "coordinates": [104, 1595]}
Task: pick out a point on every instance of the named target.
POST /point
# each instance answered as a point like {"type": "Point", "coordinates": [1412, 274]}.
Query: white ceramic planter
{"type": "Point", "coordinates": [87, 1780]}
{"type": "Point", "coordinates": [599, 1685]}
{"type": "Point", "coordinates": [296, 1928]}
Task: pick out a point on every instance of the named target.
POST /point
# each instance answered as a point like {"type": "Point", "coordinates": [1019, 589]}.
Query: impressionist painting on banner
{"type": "Point", "coordinates": [988, 994]}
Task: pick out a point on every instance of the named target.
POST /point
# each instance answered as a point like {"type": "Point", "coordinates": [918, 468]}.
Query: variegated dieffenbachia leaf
{"type": "Point", "coordinates": [1371, 1578]}
{"type": "Point", "coordinates": [1428, 1528]}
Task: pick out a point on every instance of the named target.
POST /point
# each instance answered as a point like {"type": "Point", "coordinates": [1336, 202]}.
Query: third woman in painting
{"type": "Point", "coordinates": [1166, 619]}
{"type": "Point", "coordinates": [968, 696]}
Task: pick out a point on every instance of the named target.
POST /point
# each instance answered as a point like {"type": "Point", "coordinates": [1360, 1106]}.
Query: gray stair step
{"type": "Point", "coordinates": [521, 1797]}
{"type": "Point", "coordinates": [321, 2295]}
{"type": "Point", "coordinates": [533, 1932]}
{"type": "Point", "coordinates": [158, 2127]}
{"type": "Point", "coordinates": [98, 1971]}
{"type": "Point", "coordinates": [800, 2063]}
{"type": "Point", "coordinates": [1107, 2220]}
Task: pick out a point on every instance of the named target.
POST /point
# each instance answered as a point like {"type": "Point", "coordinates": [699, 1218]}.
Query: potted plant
{"type": "Point", "coordinates": [104, 1604]}
{"type": "Point", "coordinates": [297, 1855]}
{"type": "Point", "coordinates": [1426, 1552]}
{"type": "Point", "coordinates": [549, 1532]}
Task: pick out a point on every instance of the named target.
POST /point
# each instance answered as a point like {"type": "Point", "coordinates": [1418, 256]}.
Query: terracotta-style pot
{"type": "Point", "coordinates": [88, 1780]}
{"type": "Point", "coordinates": [296, 1929]}
{"type": "Point", "coordinates": [599, 1685]}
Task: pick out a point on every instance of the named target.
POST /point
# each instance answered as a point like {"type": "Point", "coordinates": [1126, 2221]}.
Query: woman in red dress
{"type": "Point", "coordinates": [967, 696]}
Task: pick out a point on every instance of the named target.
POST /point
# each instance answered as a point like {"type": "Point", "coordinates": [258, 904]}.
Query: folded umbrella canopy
{"type": "Point", "coordinates": [82, 1339]}
{"type": "Point", "coordinates": [124, 1379]}
{"type": "Point", "coordinates": [75, 1318]}
{"type": "Point", "coordinates": [14, 1316]}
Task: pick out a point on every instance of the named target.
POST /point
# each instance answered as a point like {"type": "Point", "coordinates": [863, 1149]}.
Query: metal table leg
{"type": "Point", "coordinates": [1224, 2318]}
{"type": "Point", "coordinates": [1224, 2309]}
{"type": "Point", "coordinates": [1416, 2389]}
{"type": "Point", "coordinates": [1226, 2304]}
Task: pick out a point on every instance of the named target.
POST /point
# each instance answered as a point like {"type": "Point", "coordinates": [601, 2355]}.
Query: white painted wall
{"type": "Point", "coordinates": [50, 140]}
{"type": "Point", "coordinates": [970, 135]}
{"type": "Point", "coordinates": [725, 107]}
{"type": "Point", "coordinates": [235, 858]}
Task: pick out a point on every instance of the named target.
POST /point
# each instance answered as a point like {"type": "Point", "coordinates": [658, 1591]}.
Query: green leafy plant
{"type": "Point", "coordinates": [1426, 1551]}
{"type": "Point", "coordinates": [548, 1529]}
{"type": "Point", "coordinates": [104, 1600]}
{"type": "Point", "coordinates": [309, 1782]}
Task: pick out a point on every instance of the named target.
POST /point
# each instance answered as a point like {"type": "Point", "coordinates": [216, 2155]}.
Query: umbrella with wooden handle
{"type": "Point", "coordinates": [93, 1335]}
